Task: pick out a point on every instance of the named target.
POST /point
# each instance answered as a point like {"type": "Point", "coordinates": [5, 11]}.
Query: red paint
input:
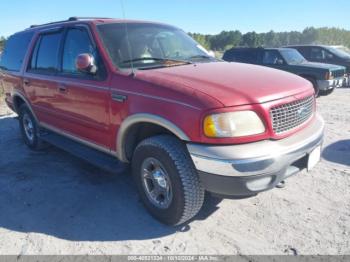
{"type": "Point", "coordinates": [184, 95]}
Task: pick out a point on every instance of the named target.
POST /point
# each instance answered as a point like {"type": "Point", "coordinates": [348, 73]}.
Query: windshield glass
{"type": "Point", "coordinates": [292, 56]}
{"type": "Point", "coordinates": [136, 44]}
{"type": "Point", "coordinates": [339, 51]}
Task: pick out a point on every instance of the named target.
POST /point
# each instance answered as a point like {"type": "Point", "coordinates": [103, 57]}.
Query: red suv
{"type": "Point", "coordinates": [118, 92]}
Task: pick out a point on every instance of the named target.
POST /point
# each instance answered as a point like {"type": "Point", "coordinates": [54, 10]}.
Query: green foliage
{"type": "Point", "coordinates": [310, 35]}
{"type": "Point", "coordinates": [2, 42]}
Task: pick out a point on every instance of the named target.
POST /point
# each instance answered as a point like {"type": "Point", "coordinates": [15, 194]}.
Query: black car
{"type": "Point", "coordinates": [325, 54]}
{"type": "Point", "coordinates": [324, 77]}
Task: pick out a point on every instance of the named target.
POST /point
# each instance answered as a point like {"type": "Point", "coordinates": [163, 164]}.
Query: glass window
{"type": "Point", "coordinates": [45, 55]}
{"type": "Point", "coordinates": [272, 57]}
{"type": "Point", "coordinates": [147, 45]}
{"type": "Point", "coordinates": [292, 56]}
{"type": "Point", "coordinates": [77, 42]}
{"type": "Point", "coordinates": [15, 51]}
{"type": "Point", "coordinates": [320, 54]}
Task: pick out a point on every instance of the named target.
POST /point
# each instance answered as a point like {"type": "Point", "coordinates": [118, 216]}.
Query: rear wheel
{"type": "Point", "coordinates": [314, 83]}
{"type": "Point", "coordinates": [29, 128]}
{"type": "Point", "coordinates": [167, 180]}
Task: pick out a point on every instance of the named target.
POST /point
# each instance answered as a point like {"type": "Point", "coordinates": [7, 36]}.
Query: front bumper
{"type": "Point", "coordinates": [330, 84]}
{"type": "Point", "coordinates": [346, 81]}
{"type": "Point", "coordinates": [243, 170]}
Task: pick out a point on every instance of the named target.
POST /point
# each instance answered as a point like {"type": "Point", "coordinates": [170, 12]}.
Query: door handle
{"type": "Point", "coordinates": [26, 82]}
{"type": "Point", "coordinates": [118, 98]}
{"type": "Point", "coordinates": [62, 88]}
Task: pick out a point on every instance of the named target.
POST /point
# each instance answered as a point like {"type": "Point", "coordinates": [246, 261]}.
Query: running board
{"type": "Point", "coordinates": [97, 158]}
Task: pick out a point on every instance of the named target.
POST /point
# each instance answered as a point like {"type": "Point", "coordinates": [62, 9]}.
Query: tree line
{"type": "Point", "coordinates": [2, 42]}
{"type": "Point", "coordinates": [228, 39]}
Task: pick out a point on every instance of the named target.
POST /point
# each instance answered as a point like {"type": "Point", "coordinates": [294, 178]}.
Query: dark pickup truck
{"type": "Point", "coordinates": [326, 54]}
{"type": "Point", "coordinates": [324, 77]}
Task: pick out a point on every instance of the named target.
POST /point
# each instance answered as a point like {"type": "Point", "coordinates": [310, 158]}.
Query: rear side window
{"type": "Point", "coordinates": [46, 53]}
{"type": "Point", "coordinates": [15, 51]}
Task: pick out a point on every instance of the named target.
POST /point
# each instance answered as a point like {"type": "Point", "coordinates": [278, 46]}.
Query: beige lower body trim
{"type": "Point", "coordinates": [78, 139]}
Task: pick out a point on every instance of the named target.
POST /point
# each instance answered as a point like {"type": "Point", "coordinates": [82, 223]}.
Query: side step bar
{"type": "Point", "coordinates": [94, 157]}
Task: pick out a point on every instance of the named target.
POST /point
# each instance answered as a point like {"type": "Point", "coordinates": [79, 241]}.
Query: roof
{"type": "Point", "coordinates": [91, 20]}
{"type": "Point", "coordinates": [261, 48]}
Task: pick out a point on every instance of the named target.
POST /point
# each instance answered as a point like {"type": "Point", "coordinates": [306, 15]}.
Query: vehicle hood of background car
{"type": "Point", "coordinates": [321, 66]}
{"type": "Point", "coordinates": [232, 84]}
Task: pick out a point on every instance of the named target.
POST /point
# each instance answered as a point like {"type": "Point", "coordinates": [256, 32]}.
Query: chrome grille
{"type": "Point", "coordinates": [289, 116]}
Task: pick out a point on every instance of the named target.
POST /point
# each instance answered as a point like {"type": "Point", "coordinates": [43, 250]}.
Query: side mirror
{"type": "Point", "coordinates": [280, 62]}
{"type": "Point", "coordinates": [86, 63]}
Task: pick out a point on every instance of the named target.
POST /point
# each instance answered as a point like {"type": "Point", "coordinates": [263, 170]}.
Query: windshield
{"type": "Point", "coordinates": [339, 51]}
{"type": "Point", "coordinates": [292, 56]}
{"type": "Point", "coordinates": [146, 45]}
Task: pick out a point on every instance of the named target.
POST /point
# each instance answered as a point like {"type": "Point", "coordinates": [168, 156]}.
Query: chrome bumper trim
{"type": "Point", "coordinates": [257, 158]}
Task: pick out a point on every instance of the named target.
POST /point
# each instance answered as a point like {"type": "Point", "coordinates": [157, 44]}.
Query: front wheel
{"type": "Point", "coordinates": [327, 92]}
{"type": "Point", "coordinates": [167, 180]}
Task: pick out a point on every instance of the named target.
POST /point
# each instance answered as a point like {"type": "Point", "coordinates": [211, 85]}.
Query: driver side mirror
{"type": "Point", "coordinates": [86, 63]}
{"type": "Point", "coordinates": [280, 62]}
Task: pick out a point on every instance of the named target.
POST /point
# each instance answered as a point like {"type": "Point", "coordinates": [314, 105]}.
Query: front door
{"type": "Point", "coordinates": [82, 98]}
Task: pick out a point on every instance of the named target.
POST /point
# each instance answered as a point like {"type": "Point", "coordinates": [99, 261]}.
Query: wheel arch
{"type": "Point", "coordinates": [132, 124]}
{"type": "Point", "coordinates": [18, 100]}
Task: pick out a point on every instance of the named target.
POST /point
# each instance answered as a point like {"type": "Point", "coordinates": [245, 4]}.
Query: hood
{"type": "Point", "coordinates": [321, 66]}
{"type": "Point", "coordinates": [232, 84]}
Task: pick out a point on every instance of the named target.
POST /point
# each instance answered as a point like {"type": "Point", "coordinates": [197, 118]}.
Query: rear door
{"type": "Point", "coordinates": [39, 78]}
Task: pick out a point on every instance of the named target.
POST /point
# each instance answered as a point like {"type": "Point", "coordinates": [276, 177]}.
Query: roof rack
{"type": "Point", "coordinates": [70, 19]}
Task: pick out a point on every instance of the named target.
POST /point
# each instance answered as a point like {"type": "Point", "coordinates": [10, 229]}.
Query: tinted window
{"type": "Point", "coordinates": [245, 56]}
{"type": "Point", "coordinates": [45, 55]}
{"type": "Point", "coordinates": [15, 50]}
{"type": "Point", "coordinates": [77, 42]}
{"type": "Point", "coordinates": [320, 54]}
{"type": "Point", "coordinates": [271, 57]}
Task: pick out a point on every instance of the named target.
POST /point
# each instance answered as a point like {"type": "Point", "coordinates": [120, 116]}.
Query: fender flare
{"type": "Point", "coordinates": [144, 118]}
{"type": "Point", "coordinates": [18, 94]}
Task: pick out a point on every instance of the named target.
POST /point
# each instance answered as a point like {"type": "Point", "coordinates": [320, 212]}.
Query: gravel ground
{"type": "Point", "coordinates": [53, 203]}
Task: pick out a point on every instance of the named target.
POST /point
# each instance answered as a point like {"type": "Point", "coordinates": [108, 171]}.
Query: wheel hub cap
{"type": "Point", "coordinates": [156, 183]}
{"type": "Point", "coordinates": [28, 127]}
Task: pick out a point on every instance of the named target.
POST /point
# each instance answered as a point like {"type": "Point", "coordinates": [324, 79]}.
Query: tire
{"type": "Point", "coordinates": [29, 128]}
{"type": "Point", "coordinates": [326, 92]}
{"type": "Point", "coordinates": [314, 83]}
{"type": "Point", "coordinates": [185, 194]}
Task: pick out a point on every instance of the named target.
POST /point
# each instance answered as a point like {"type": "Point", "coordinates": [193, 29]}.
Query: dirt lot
{"type": "Point", "coordinates": [53, 203]}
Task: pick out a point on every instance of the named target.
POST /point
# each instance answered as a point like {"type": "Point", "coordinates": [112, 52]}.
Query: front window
{"type": "Point", "coordinates": [146, 45]}
{"type": "Point", "coordinates": [272, 57]}
{"type": "Point", "coordinates": [292, 57]}
{"type": "Point", "coordinates": [342, 52]}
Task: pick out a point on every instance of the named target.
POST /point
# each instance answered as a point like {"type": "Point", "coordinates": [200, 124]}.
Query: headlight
{"type": "Point", "coordinates": [233, 124]}
{"type": "Point", "coordinates": [329, 76]}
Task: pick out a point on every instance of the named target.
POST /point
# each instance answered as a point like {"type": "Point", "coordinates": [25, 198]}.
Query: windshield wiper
{"type": "Point", "coordinates": [201, 56]}
{"type": "Point", "coordinates": [156, 59]}
{"type": "Point", "coordinates": [206, 57]}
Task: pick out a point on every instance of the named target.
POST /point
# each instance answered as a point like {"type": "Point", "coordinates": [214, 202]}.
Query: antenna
{"type": "Point", "coordinates": [127, 39]}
